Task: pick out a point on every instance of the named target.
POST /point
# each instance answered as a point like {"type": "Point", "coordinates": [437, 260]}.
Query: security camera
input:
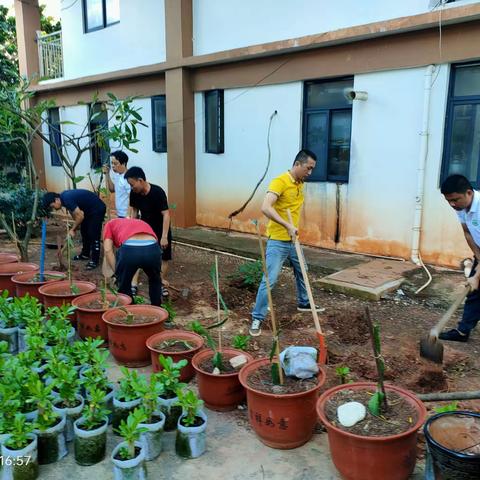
{"type": "Point", "coordinates": [351, 94]}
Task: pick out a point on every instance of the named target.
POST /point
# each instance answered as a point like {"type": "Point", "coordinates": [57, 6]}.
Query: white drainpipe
{"type": "Point", "coordinates": [417, 221]}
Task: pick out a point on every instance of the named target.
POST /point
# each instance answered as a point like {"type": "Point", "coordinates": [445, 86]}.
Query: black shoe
{"type": "Point", "coordinates": [91, 266]}
{"type": "Point", "coordinates": [454, 335]}
{"type": "Point", "coordinates": [81, 257]}
{"type": "Point", "coordinates": [308, 308]}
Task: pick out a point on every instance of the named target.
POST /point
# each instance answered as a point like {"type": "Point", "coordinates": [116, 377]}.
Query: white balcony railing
{"type": "Point", "coordinates": [50, 55]}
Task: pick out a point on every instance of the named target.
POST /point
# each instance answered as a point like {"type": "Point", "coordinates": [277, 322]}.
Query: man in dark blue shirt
{"type": "Point", "coordinates": [88, 213]}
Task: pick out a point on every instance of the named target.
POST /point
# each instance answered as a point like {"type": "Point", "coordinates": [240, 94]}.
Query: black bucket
{"type": "Point", "coordinates": [452, 464]}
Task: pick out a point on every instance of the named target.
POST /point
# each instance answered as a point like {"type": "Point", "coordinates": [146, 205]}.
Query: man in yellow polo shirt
{"type": "Point", "coordinates": [284, 193]}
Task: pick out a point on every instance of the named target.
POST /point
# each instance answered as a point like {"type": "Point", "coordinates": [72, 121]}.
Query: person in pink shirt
{"type": "Point", "coordinates": [137, 248]}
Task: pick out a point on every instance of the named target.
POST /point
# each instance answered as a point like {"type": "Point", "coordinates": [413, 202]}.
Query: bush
{"type": "Point", "coordinates": [249, 274]}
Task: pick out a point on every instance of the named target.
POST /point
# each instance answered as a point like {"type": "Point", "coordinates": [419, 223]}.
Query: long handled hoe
{"type": "Point", "coordinates": [276, 344]}
{"type": "Point", "coordinates": [322, 349]}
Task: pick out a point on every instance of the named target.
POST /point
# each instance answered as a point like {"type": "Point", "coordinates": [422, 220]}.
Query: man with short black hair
{"type": "Point", "coordinates": [284, 193]}
{"type": "Point", "coordinates": [149, 202]}
{"type": "Point", "coordinates": [461, 196]}
{"type": "Point", "coordinates": [117, 182]}
{"type": "Point", "coordinates": [88, 213]}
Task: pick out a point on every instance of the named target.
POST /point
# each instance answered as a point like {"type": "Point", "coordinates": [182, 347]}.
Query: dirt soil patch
{"type": "Point", "coordinates": [173, 346]}
{"type": "Point", "coordinates": [137, 319]}
{"type": "Point", "coordinates": [398, 418]}
{"type": "Point", "coordinates": [261, 380]}
{"type": "Point", "coordinates": [207, 365]}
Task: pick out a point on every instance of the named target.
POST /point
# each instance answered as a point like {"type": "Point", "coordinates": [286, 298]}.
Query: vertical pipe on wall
{"type": "Point", "coordinates": [417, 220]}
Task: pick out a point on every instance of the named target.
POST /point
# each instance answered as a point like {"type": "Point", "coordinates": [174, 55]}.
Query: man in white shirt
{"type": "Point", "coordinates": [117, 183]}
{"type": "Point", "coordinates": [461, 196]}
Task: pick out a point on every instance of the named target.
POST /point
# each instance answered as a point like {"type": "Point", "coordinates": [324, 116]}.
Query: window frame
{"type": "Point", "coordinates": [53, 138]}
{"type": "Point", "coordinates": [452, 102]}
{"type": "Point", "coordinates": [162, 148]}
{"type": "Point", "coordinates": [322, 159]}
{"type": "Point", "coordinates": [104, 25]}
{"type": "Point", "coordinates": [219, 146]}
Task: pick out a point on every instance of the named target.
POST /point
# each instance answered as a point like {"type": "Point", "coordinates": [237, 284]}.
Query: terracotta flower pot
{"type": "Point", "coordinates": [57, 294]}
{"type": "Point", "coordinates": [24, 284]}
{"type": "Point", "coordinates": [187, 372]}
{"type": "Point", "coordinates": [127, 342]}
{"type": "Point", "coordinates": [362, 458]}
{"type": "Point", "coordinates": [8, 270]}
{"type": "Point", "coordinates": [219, 392]}
{"type": "Point", "coordinates": [281, 421]}
{"type": "Point", "coordinates": [89, 320]}
{"type": "Point", "coordinates": [8, 258]}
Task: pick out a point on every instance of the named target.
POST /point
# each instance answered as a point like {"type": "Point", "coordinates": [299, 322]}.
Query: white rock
{"type": "Point", "coordinates": [216, 371]}
{"type": "Point", "coordinates": [351, 413]}
{"type": "Point", "coordinates": [238, 361]}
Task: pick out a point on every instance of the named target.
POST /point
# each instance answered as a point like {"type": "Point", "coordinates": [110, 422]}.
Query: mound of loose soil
{"type": "Point", "coordinates": [350, 326]}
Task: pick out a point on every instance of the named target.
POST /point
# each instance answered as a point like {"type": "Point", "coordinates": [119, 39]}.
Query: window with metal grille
{"type": "Point", "coordinates": [159, 124]}
{"type": "Point", "coordinates": [214, 126]}
{"type": "Point", "coordinates": [98, 121]}
{"type": "Point", "coordinates": [55, 135]}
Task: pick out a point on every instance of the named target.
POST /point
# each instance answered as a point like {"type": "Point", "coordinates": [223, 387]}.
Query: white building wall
{"type": "Point", "coordinates": [222, 25]}
{"type": "Point", "coordinates": [225, 181]}
{"type": "Point", "coordinates": [137, 40]}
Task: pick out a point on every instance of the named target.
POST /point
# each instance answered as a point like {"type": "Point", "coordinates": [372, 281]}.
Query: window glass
{"type": "Point", "coordinates": [99, 156]}
{"type": "Point", "coordinates": [316, 135]}
{"type": "Point", "coordinates": [214, 133]}
{"type": "Point", "coordinates": [159, 122]}
{"type": "Point", "coordinates": [327, 94]}
{"type": "Point", "coordinates": [339, 144]}
{"type": "Point", "coordinates": [94, 14]}
{"type": "Point", "coordinates": [113, 11]}
{"type": "Point", "coordinates": [55, 135]}
{"type": "Point", "coordinates": [467, 81]}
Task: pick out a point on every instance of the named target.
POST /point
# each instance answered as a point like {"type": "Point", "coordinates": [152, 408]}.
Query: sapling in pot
{"type": "Point", "coordinates": [169, 379]}
{"type": "Point", "coordinates": [49, 425]}
{"type": "Point", "coordinates": [128, 457]}
{"type": "Point", "coordinates": [20, 447]}
{"type": "Point", "coordinates": [127, 396]}
{"type": "Point", "coordinates": [190, 439]}
{"type": "Point", "coordinates": [217, 359]}
{"type": "Point", "coordinates": [90, 430]}
{"type": "Point", "coordinates": [9, 319]}
{"type": "Point", "coordinates": [151, 439]}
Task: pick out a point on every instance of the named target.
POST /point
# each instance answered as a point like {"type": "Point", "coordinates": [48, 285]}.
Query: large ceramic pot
{"type": "Point", "coordinates": [194, 340]}
{"type": "Point", "coordinates": [222, 392]}
{"type": "Point", "coordinates": [57, 294]}
{"type": "Point", "coordinates": [363, 458]}
{"type": "Point", "coordinates": [8, 270]}
{"type": "Point", "coordinates": [89, 320]}
{"type": "Point", "coordinates": [281, 421]}
{"type": "Point", "coordinates": [8, 258]}
{"type": "Point", "coordinates": [30, 282]}
{"type": "Point", "coordinates": [127, 341]}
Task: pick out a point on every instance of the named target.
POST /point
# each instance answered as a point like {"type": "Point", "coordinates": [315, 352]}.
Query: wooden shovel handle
{"type": "Point", "coordinates": [434, 332]}
{"type": "Point", "coordinates": [305, 278]}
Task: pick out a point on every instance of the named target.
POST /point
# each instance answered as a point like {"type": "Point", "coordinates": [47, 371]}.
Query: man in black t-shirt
{"type": "Point", "coordinates": [149, 202]}
{"type": "Point", "coordinates": [88, 213]}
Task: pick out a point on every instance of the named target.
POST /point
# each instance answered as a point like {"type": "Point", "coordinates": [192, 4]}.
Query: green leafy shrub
{"type": "Point", "coordinates": [241, 342]}
{"type": "Point", "coordinates": [249, 274]}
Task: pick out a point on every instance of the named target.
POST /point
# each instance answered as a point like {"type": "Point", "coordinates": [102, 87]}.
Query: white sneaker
{"type": "Point", "coordinates": [255, 329]}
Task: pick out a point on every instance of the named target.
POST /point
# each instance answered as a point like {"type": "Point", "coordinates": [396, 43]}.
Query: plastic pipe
{"type": "Point", "coordinates": [417, 220]}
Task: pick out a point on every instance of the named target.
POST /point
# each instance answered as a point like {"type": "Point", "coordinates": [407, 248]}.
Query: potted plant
{"type": "Point", "coordinates": [90, 430]}
{"type": "Point", "coordinates": [127, 396]}
{"type": "Point", "coordinates": [129, 328]}
{"type": "Point", "coordinates": [30, 282]}
{"type": "Point", "coordinates": [128, 457]}
{"type": "Point", "coordinates": [151, 438]}
{"type": "Point", "coordinates": [49, 425]}
{"type": "Point", "coordinates": [169, 378]}
{"type": "Point", "coordinates": [6, 257]}
{"type": "Point", "coordinates": [8, 270]}
{"type": "Point", "coordinates": [8, 322]}
{"type": "Point", "coordinates": [69, 402]}
{"type": "Point", "coordinates": [177, 344]}
{"type": "Point", "coordinates": [57, 329]}
{"type": "Point", "coordinates": [19, 451]}
{"type": "Point", "coordinates": [95, 376]}
{"type": "Point", "coordinates": [92, 306]}
{"type": "Point", "coordinates": [190, 441]}
{"type": "Point", "coordinates": [387, 449]}
{"type": "Point", "coordinates": [31, 315]}
{"type": "Point", "coordinates": [217, 379]}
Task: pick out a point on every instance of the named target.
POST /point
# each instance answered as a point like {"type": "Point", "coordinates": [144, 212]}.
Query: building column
{"type": "Point", "coordinates": [180, 113]}
{"type": "Point", "coordinates": [27, 21]}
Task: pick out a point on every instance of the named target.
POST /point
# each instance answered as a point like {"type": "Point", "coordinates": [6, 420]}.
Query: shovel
{"type": "Point", "coordinates": [430, 347]}
{"type": "Point", "coordinates": [322, 349]}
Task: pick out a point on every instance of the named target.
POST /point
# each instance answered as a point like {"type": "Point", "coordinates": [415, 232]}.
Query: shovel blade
{"type": "Point", "coordinates": [431, 349]}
